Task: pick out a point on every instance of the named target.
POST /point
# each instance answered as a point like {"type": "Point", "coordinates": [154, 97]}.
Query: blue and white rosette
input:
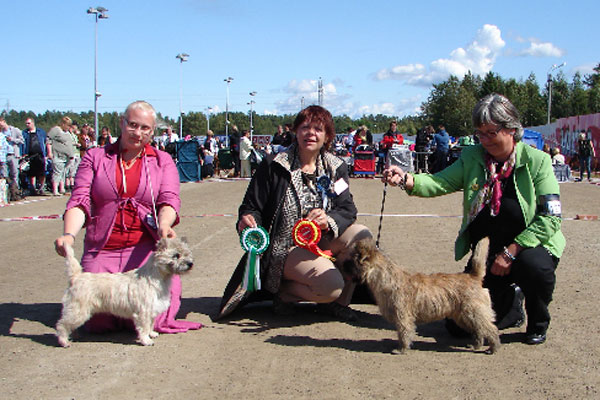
{"type": "Point", "coordinates": [324, 186]}
{"type": "Point", "coordinates": [254, 241]}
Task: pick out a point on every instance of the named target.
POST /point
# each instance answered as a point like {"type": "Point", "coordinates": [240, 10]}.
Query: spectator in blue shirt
{"type": "Point", "coordinates": [442, 145]}
{"type": "Point", "coordinates": [35, 149]}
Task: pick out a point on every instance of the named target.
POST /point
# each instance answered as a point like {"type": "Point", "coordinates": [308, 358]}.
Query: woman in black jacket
{"type": "Point", "coordinates": [282, 191]}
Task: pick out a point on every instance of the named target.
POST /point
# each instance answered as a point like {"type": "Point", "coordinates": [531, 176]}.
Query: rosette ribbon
{"type": "Point", "coordinates": [324, 186]}
{"type": "Point", "coordinates": [254, 241]}
{"type": "Point", "coordinates": [307, 234]}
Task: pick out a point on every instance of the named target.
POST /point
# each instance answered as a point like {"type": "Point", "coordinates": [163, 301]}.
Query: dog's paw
{"type": "Point", "coordinates": [398, 351]}
{"type": "Point", "coordinates": [492, 349]}
{"type": "Point", "coordinates": [153, 334]}
{"type": "Point", "coordinates": [146, 341]}
{"type": "Point", "coordinates": [64, 342]}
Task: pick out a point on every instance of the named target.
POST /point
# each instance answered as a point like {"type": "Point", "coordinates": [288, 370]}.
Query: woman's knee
{"type": "Point", "coordinates": [328, 286]}
{"type": "Point", "coordinates": [318, 274]}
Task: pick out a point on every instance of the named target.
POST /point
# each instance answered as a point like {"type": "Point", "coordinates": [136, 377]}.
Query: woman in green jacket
{"type": "Point", "coordinates": [512, 196]}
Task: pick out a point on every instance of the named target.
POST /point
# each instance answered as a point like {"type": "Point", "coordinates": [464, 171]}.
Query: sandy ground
{"type": "Point", "coordinates": [255, 354]}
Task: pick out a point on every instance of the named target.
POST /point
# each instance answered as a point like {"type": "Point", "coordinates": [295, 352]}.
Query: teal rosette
{"type": "Point", "coordinates": [254, 241]}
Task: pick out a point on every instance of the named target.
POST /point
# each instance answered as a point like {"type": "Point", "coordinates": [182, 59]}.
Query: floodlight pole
{"type": "Point", "coordinates": [252, 102]}
{"type": "Point", "coordinates": [554, 67]}
{"type": "Point", "coordinates": [228, 80]}
{"type": "Point", "coordinates": [99, 13]}
{"type": "Point", "coordinates": [182, 57]}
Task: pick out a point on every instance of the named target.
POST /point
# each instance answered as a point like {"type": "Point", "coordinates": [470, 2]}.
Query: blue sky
{"type": "Point", "coordinates": [373, 56]}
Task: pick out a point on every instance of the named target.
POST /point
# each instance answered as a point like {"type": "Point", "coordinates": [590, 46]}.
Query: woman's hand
{"type": "Point", "coordinates": [61, 243]}
{"type": "Point", "coordinates": [393, 175]}
{"type": "Point", "coordinates": [501, 265]}
{"type": "Point", "coordinates": [166, 218]}
{"type": "Point", "coordinates": [166, 232]}
{"type": "Point", "coordinates": [247, 220]}
{"type": "Point", "coordinates": [503, 262]}
{"type": "Point", "coordinates": [319, 217]}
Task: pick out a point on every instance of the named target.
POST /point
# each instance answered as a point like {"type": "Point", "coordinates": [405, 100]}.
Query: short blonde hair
{"type": "Point", "coordinates": [141, 105]}
{"type": "Point", "coordinates": [66, 122]}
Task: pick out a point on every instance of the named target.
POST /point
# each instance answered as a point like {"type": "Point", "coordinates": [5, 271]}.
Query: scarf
{"type": "Point", "coordinates": [491, 193]}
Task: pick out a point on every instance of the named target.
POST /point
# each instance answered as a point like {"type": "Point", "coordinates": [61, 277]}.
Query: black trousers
{"type": "Point", "coordinates": [235, 156]}
{"type": "Point", "coordinates": [534, 272]}
{"type": "Point", "coordinates": [440, 161]}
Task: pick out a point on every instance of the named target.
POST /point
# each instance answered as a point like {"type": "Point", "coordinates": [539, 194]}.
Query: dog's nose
{"type": "Point", "coordinates": [190, 265]}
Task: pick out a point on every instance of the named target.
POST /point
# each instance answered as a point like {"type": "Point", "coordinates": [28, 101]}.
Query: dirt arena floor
{"type": "Point", "coordinates": [256, 354]}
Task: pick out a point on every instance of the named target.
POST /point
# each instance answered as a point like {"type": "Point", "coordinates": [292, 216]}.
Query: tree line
{"type": "Point", "coordinates": [449, 103]}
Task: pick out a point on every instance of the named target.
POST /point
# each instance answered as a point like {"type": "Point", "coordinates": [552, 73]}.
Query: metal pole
{"type": "Point", "coordinates": [252, 94]}
{"type": "Point", "coordinates": [180, 99]}
{"type": "Point", "coordinates": [227, 110]}
{"type": "Point", "coordinates": [552, 68]}
{"type": "Point", "coordinates": [96, 76]}
{"type": "Point", "coordinates": [549, 96]}
{"type": "Point", "coordinates": [251, 127]}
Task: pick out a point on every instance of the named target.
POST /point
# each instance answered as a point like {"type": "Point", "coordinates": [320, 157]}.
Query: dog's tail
{"type": "Point", "coordinates": [73, 266]}
{"type": "Point", "coordinates": [478, 262]}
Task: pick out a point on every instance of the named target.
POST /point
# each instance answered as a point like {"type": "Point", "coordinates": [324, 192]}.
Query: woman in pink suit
{"type": "Point", "coordinates": [120, 191]}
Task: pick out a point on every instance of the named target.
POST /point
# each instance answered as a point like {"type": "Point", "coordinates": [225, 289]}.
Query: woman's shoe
{"type": "Point", "coordinates": [535, 338]}
{"type": "Point", "coordinates": [343, 313]}
{"type": "Point", "coordinates": [516, 316]}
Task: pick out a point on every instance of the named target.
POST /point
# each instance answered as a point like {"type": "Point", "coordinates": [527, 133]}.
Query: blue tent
{"type": "Point", "coordinates": [533, 138]}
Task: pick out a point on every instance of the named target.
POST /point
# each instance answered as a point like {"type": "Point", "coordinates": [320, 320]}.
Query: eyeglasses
{"type": "Point", "coordinates": [489, 134]}
{"type": "Point", "coordinates": [133, 126]}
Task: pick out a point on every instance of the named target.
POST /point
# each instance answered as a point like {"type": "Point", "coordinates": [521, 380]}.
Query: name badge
{"type": "Point", "coordinates": [340, 186]}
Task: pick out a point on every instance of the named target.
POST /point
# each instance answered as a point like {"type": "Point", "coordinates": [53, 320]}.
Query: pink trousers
{"type": "Point", "coordinates": [123, 260]}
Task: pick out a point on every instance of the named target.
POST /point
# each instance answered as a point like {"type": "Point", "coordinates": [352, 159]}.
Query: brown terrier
{"type": "Point", "coordinates": [407, 299]}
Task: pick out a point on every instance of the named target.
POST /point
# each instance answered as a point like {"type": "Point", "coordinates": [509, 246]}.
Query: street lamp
{"type": "Point", "coordinates": [228, 80]}
{"type": "Point", "coordinates": [182, 57]}
{"type": "Point", "coordinates": [552, 68]}
{"type": "Point", "coordinates": [99, 13]}
{"type": "Point", "coordinates": [252, 102]}
{"type": "Point", "coordinates": [208, 110]}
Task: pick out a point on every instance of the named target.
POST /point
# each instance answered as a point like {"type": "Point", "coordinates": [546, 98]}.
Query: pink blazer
{"type": "Point", "coordinates": [95, 192]}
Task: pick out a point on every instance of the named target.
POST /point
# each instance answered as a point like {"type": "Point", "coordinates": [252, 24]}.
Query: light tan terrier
{"type": "Point", "coordinates": [140, 294]}
{"type": "Point", "coordinates": [407, 299]}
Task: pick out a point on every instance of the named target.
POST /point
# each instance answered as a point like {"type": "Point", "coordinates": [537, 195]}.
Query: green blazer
{"type": "Point", "coordinates": [533, 177]}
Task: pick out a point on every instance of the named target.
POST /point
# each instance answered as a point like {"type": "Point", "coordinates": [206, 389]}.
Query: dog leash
{"type": "Point", "coordinates": [385, 185]}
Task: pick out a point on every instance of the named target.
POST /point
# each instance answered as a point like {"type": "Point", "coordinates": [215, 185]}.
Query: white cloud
{"type": "Point", "coordinates": [339, 103]}
{"type": "Point", "coordinates": [307, 90]}
{"type": "Point", "coordinates": [542, 49]}
{"type": "Point", "coordinates": [383, 108]}
{"type": "Point", "coordinates": [585, 69]}
{"type": "Point", "coordinates": [478, 57]}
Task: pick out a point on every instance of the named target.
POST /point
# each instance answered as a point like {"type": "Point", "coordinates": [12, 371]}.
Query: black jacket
{"type": "Point", "coordinates": [264, 200]}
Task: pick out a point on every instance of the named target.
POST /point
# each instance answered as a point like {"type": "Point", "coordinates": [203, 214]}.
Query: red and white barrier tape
{"type": "Point", "coordinates": [26, 201]}
{"type": "Point", "coordinates": [34, 218]}
{"type": "Point", "coordinates": [578, 217]}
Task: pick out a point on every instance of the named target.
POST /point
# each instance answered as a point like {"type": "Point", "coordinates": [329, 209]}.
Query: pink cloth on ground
{"type": "Point", "coordinates": [124, 260]}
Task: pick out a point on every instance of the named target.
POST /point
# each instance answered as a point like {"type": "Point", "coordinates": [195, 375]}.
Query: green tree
{"type": "Point", "coordinates": [561, 105]}
{"type": "Point", "coordinates": [492, 83]}
{"type": "Point", "coordinates": [531, 104]}
{"type": "Point", "coordinates": [578, 96]}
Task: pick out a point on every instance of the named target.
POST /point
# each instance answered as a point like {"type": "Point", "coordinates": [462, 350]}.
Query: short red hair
{"type": "Point", "coordinates": [317, 115]}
